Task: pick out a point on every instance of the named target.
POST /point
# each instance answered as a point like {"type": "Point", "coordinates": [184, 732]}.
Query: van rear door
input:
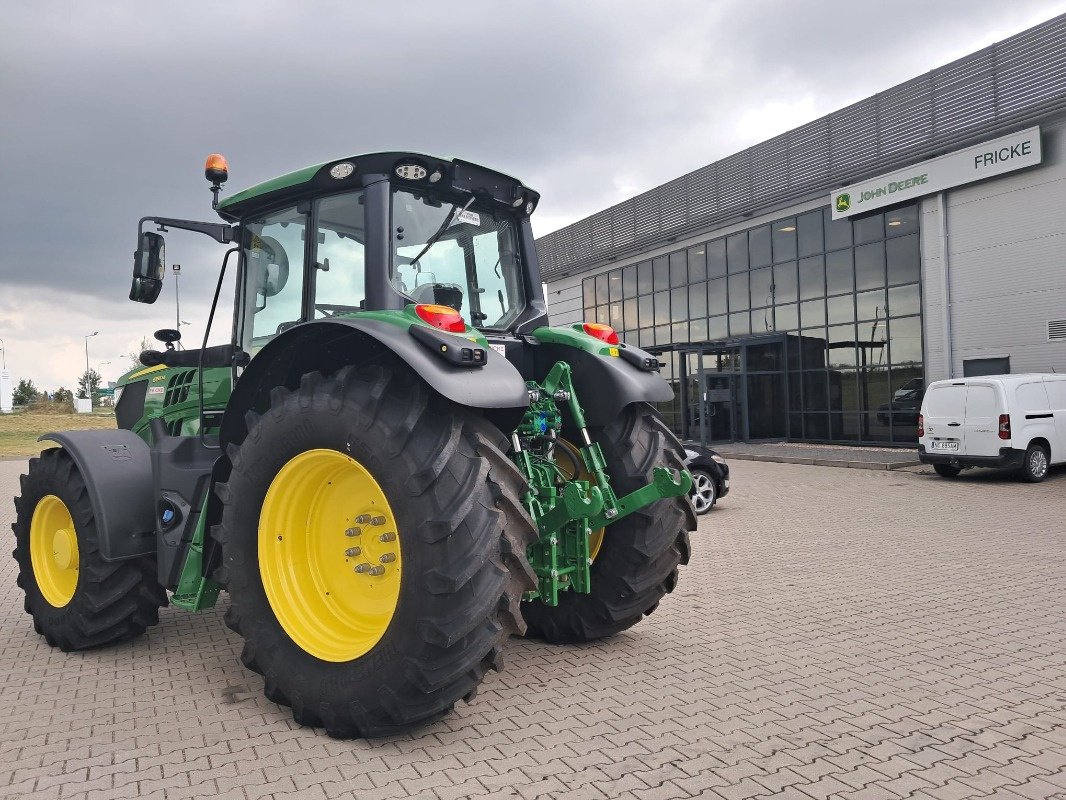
{"type": "Point", "coordinates": [983, 407]}
{"type": "Point", "coordinates": [944, 411]}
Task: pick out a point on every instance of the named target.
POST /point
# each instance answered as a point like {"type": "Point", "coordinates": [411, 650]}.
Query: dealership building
{"type": "Point", "coordinates": [809, 287]}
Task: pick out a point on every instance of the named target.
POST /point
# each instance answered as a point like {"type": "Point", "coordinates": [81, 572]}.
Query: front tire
{"type": "Point", "coordinates": [637, 564]}
{"type": "Point", "coordinates": [77, 600]}
{"type": "Point", "coordinates": [1035, 467]}
{"type": "Point", "coordinates": [375, 632]}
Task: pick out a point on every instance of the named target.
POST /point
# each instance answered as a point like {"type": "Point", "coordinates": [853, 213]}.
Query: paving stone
{"type": "Point", "coordinates": [838, 633]}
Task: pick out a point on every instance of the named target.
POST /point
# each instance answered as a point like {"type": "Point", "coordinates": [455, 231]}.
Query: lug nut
{"type": "Point", "coordinates": [387, 537]}
{"type": "Point", "coordinates": [376, 570]}
{"type": "Point", "coordinates": [388, 558]}
{"type": "Point", "coordinates": [362, 519]}
{"type": "Point", "coordinates": [377, 521]}
{"type": "Point", "coordinates": [362, 567]}
{"type": "Point", "coordinates": [352, 532]}
{"type": "Point", "coordinates": [352, 551]}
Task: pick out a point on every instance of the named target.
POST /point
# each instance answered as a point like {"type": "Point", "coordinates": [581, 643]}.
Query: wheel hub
{"type": "Point", "coordinates": [54, 551]}
{"type": "Point", "coordinates": [331, 572]}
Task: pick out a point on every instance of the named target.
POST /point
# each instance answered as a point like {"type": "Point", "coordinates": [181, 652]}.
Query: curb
{"type": "Point", "coordinates": [819, 462]}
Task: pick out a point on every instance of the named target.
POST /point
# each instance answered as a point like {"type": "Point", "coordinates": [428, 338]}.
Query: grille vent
{"type": "Point", "coordinates": [178, 387]}
{"type": "Point", "coordinates": [1056, 330]}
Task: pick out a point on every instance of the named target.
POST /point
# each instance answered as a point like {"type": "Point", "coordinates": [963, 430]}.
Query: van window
{"type": "Point", "coordinates": [1056, 393]}
{"type": "Point", "coordinates": [946, 401]}
{"type": "Point", "coordinates": [981, 402]}
{"type": "Point", "coordinates": [1032, 397]}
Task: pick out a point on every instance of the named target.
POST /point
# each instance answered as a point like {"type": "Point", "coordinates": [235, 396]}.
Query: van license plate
{"type": "Point", "coordinates": [944, 446]}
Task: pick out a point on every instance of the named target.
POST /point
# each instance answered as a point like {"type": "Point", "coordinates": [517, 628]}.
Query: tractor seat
{"type": "Point", "coordinates": [444, 294]}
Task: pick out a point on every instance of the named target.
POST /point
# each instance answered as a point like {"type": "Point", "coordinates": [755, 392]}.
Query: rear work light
{"type": "Point", "coordinates": [444, 317]}
{"type": "Point", "coordinates": [602, 332]}
{"type": "Point", "coordinates": [1004, 426]}
{"type": "Point", "coordinates": [921, 426]}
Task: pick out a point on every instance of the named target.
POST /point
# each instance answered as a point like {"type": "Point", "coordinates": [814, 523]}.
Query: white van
{"type": "Point", "coordinates": [1013, 421]}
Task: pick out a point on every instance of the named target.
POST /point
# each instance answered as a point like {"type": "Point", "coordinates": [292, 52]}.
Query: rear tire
{"type": "Point", "coordinates": [638, 562]}
{"type": "Point", "coordinates": [453, 499]}
{"type": "Point", "coordinates": [946, 470]}
{"type": "Point", "coordinates": [1035, 467]}
{"type": "Point", "coordinates": [77, 600]}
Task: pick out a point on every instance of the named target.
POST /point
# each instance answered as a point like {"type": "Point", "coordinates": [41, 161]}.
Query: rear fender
{"type": "Point", "coordinates": [116, 466]}
{"type": "Point", "coordinates": [326, 345]}
{"type": "Point", "coordinates": [605, 381]}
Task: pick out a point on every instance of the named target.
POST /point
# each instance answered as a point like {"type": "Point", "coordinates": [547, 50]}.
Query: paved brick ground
{"type": "Point", "coordinates": [840, 633]}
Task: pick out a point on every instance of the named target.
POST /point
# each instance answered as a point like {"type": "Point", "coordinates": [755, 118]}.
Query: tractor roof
{"type": "Point", "coordinates": [331, 176]}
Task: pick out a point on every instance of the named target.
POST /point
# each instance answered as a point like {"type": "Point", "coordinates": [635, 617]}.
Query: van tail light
{"type": "Point", "coordinates": [1004, 426]}
{"type": "Point", "coordinates": [921, 426]}
{"type": "Point", "coordinates": [444, 317]}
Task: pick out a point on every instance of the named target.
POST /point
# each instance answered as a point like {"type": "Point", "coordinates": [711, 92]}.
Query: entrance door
{"type": "Point", "coordinates": [717, 400]}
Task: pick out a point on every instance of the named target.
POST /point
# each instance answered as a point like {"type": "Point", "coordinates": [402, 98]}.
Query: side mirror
{"type": "Point", "coordinates": [148, 266]}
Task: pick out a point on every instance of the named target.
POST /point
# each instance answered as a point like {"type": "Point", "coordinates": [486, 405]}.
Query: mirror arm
{"type": "Point", "coordinates": [220, 232]}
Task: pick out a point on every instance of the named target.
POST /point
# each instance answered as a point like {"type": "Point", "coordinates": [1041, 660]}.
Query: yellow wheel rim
{"type": "Point", "coordinates": [573, 468]}
{"type": "Point", "coordinates": [329, 555]}
{"type": "Point", "coordinates": [54, 550]}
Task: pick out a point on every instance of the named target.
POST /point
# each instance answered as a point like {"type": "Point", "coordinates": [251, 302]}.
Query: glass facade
{"type": "Point", "coordinates": [804, 328]}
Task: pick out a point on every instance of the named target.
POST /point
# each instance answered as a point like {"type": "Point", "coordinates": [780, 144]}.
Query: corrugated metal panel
{"type": "Point", "coordinates": [992, 91]}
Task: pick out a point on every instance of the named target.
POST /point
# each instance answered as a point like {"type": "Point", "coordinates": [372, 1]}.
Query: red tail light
{"type": "Point", "coordinates": [602, 332]}
{"type": "Point", "coordinates": [444, 317]}
{"type": "Point", "coordinates": [1004, 426]}
{"type": "Point", "coordinates": [921, 426]}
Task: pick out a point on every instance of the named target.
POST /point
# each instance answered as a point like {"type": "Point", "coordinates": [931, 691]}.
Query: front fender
{"type": "Point", "coordinates": [326, 345]}
{"type": "Point", "coordinates": [116, 466]}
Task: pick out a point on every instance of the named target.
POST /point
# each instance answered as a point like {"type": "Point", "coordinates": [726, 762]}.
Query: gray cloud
{"type": "Point", "coordinates": [110, 108]}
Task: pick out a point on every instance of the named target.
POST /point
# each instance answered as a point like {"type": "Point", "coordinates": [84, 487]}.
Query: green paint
{"type": "Point", "coordinates": [195, 592]}
{"type": "Point", "coordinates": [274, 184]}
{"type": "Point", "coordinates": [575, 336]}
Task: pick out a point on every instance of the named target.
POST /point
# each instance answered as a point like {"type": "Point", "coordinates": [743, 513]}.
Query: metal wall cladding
{"type": "Point", "coordinates": [992, 91]}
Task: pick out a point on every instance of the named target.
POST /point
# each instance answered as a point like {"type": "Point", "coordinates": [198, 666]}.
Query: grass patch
{"type": "Point", "coordinates": [19, 431]}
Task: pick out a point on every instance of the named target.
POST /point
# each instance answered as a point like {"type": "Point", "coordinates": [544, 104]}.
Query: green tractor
{"type": "Point", "coordinates": [393, 465]}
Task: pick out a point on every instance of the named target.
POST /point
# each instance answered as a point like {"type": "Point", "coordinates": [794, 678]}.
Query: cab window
{"type": "Point", "coordinates": [340, 270]}
{"type": "Point", "coordinates": [273, 276]}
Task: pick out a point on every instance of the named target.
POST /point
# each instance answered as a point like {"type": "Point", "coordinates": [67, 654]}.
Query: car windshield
{"type": "Point", "coordinates": [464, 258]}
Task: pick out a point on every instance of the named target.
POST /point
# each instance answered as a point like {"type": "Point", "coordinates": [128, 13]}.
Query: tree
{"type": "Point", "coordinates": [89, 383]}
{"type": "Point", "coordinates": [63, 396]}
{"type": "Point", "coordinates": [25, 393]}
{"type": "Point", "coordinates": [135, 355]}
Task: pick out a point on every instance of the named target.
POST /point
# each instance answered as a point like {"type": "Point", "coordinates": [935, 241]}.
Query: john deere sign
{"type": "Point", "coordinates": [975, 163]}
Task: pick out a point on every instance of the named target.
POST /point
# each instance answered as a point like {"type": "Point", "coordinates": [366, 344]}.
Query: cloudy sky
{"type": "Point", "coordinates": [109, 109]}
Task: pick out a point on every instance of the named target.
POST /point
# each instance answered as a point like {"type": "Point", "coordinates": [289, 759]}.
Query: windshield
{"type": "Point", "coordinates": [471, 262]}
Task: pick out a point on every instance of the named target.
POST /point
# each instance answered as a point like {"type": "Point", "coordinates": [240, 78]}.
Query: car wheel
{"type": "Point", "coordinates": [704, 491]}
{"type": "Point", "coordinates": [1034, 468]}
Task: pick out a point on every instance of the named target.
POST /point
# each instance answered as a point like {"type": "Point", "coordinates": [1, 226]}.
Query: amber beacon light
{"type": "Point", "coordinates": [216, 170]}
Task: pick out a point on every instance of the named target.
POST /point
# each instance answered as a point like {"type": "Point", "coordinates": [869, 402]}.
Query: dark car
{"type": "Point", "coordinates": [905, 404]}
{"type": "Point", "coordinates": [710, 476]}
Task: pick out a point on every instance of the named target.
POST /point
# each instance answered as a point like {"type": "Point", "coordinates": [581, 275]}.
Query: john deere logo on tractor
{"type": "Point", "coordinates": [843, 202]}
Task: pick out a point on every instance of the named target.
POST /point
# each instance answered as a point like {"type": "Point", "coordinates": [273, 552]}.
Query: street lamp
{"type": "Point", "coordinates": [88, 336]}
